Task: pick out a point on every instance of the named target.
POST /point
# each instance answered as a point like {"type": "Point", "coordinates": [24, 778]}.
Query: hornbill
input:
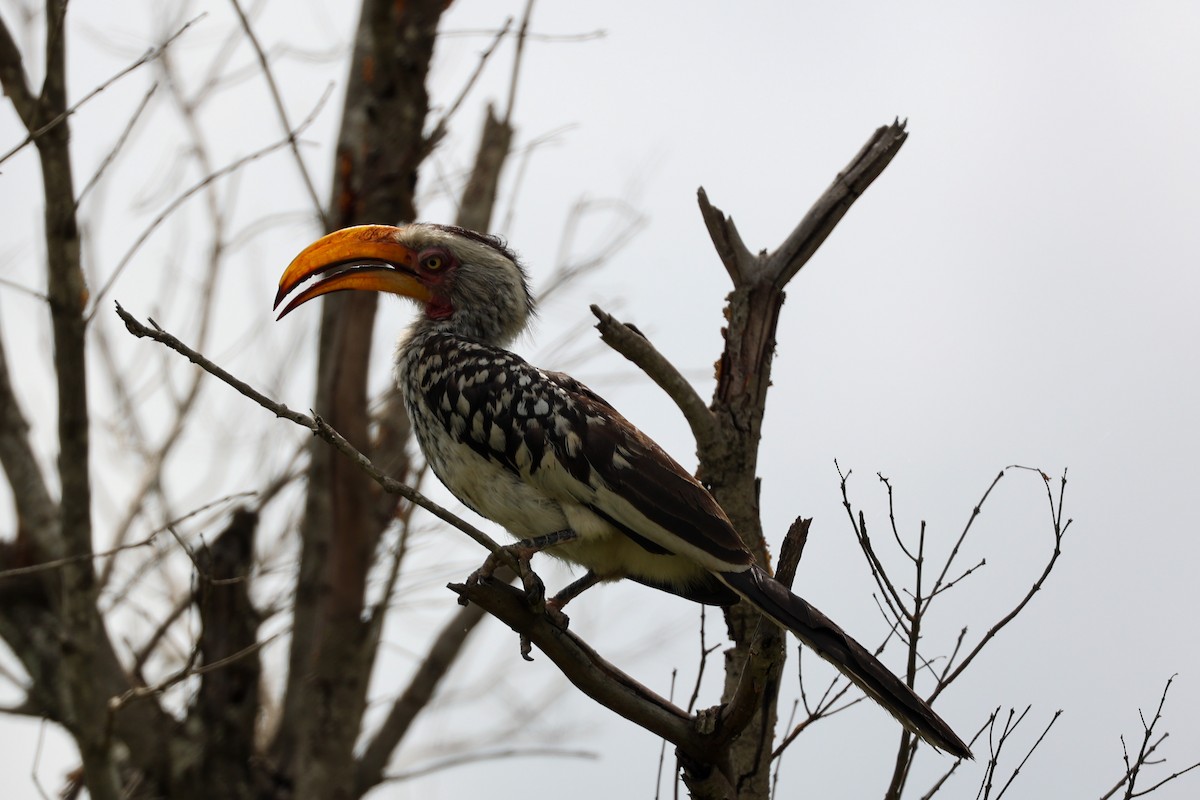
{"type": "Point", "coordinates": [546, 457]}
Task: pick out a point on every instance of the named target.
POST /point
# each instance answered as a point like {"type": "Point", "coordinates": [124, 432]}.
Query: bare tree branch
{"type": "Point", "coordinates": [443, 123]}
{"type": "Point", "coordinates": [117, 145]}
{"type": "Point", "coordinates": [14, 80]}
{"type": "Point", "coordinates": [369, 771]}
{"type": "Point", "coordinates": [1034, 746]}
{"type": "Point", "coordinates": [316, 425]}
{"type": "Point", "coordinates": [10, 66]}
{"type": "Point", "coordinates": [581, 665]}
{"type": "Point", "coordinates": [631, 343]}
{"type": "Point", "coordinates": [1145, 750]}
{"type": "Point", "coordinates": [36, 511]}
{"type": "Point", "coordinates": [277, 101]}
{"type": "Point", "coordinates": [725, 238]}
{"type": "Point", "coordinates": [833, 204]}
{"type": "Point", "coordinates": [975, 512]}
{"type": "Point", "coordinates": [228, 169]}
{"type": "Point", "coordinates": [522, 36]}
{"type": "Point", "coordinates": [1060, 530]}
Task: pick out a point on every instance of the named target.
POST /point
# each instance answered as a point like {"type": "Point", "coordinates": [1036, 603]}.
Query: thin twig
{"type": "Point", "coordinates": [627, 221]}
{"type": "Point", "coordinates": [779, 761]}
{"type": "Point", "coordinates": [315, 424]}
{"type": "Point", "coordinates": [277, 100]}
{"type": "Point", "coordinates": [705, 652]}
{"type": "Point", "coordinates": [1147, 748]}
{"type": "Point", "coordinates": [662, 748]}
{"type": "Point", "coordinates": [891, 596]}
{"type": "Point", "coordinates": [1167, 779]}
{"type": "Point", "coordinates": [975, 512]}
{"type": "Point", "coordinates": [188, 670]}
{"type": "Point", "coordinates": [178, 201]}
{"type": "Point", "coordinates": [522, 35]}
{"type": "Point", "coordinates": [37, 760]}
{"type": "Point", "coordinates": [118, 144]}
{"type": "Point", "coordinates": [34, 293]}
{"type": "Point", "coordinates": [518, 177]}
{"type": "Point", "coordinates": [58, 563]}
{"type": "Point", "coordinates": [440, 127]}
{"type": "Point", "coordinates": [147, 57]}
{"type": "Point", "coordinates": [952, 583]}
{"type": "Point", "coordinates": [892, 517]}
{"type": "Point", "coordinates": [637, 348]}
{"type": "Point", "coordinates": [588, 36]}
{"type": "Point", "coordinates": [1035, 745]}
{"type": "Point", "coordinates": [1060, 531]}
{"type": "Point", "coordinates": [142, 655]}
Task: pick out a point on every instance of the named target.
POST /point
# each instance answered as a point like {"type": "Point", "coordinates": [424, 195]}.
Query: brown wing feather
{"type": "Point", "coordinates": [635, 467]}
{"type": "Point", "coordinates": [514, 414]}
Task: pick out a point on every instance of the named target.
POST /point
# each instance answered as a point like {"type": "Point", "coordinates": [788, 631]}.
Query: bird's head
{"type": "Point", "coordinates": [466, 282]}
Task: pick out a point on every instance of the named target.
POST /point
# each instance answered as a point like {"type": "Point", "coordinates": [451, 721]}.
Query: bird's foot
{"type": "Point", "coordinates": [535, 590]}
{"type": "Point", "coordinates": [520, 553]}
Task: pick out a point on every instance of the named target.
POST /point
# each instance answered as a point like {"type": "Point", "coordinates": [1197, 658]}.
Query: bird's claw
{"type": "Point", "coordinates": [503, 557]}
{"type": "Point", "coordinates": [535, 590]}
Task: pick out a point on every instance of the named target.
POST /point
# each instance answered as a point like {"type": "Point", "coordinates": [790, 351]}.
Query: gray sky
{"type": "Point", "coordinates": [1019, 287]}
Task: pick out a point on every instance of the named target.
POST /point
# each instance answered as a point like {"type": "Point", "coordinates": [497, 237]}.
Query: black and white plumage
{"type": "Point", "coordinates": [538, 452]}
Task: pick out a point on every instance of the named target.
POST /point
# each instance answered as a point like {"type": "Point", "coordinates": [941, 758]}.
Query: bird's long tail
{"type": "Point", "coordinates": [851, 659]}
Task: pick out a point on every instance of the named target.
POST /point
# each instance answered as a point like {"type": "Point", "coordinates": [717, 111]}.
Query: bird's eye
{"type": "Point", "coordinates": [433, 262]}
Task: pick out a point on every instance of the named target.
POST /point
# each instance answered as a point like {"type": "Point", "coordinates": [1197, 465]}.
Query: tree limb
{"type": "Point", "coordinates": [369, 771]}
{"type": "Point", "coordinates": [630, 343]}
{"type": "Point", "coordinates": [7, 65]}
{"type": "Point", "coordinates": [833, 204]}
{"type": "Point", "coordinates": [581, 665]}
{"type": "Point", "coordinates": [739, 262]}
{"type": "Point", "coordinates": [13, 79]}
{"type": "Point", "coordinates": [36, 512]}
{"type": "Point", "coordinates": [281, 112]}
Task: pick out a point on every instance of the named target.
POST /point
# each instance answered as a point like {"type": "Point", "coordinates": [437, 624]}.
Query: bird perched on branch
{"type": "Point", "coordinates": [550, 460]}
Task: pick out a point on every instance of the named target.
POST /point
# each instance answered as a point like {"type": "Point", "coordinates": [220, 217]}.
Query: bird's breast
{"type": "Point", "coordinates": [479, 431]}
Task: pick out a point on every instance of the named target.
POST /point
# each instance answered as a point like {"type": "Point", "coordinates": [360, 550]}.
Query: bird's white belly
{"type": "Point", "coordinates": [525, 510]}
{"type": "Point", "coordinates": [494, 492]}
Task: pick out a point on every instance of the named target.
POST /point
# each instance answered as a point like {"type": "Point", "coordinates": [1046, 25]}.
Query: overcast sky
{"type": "Point", "coordinates": [1019, 287]}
